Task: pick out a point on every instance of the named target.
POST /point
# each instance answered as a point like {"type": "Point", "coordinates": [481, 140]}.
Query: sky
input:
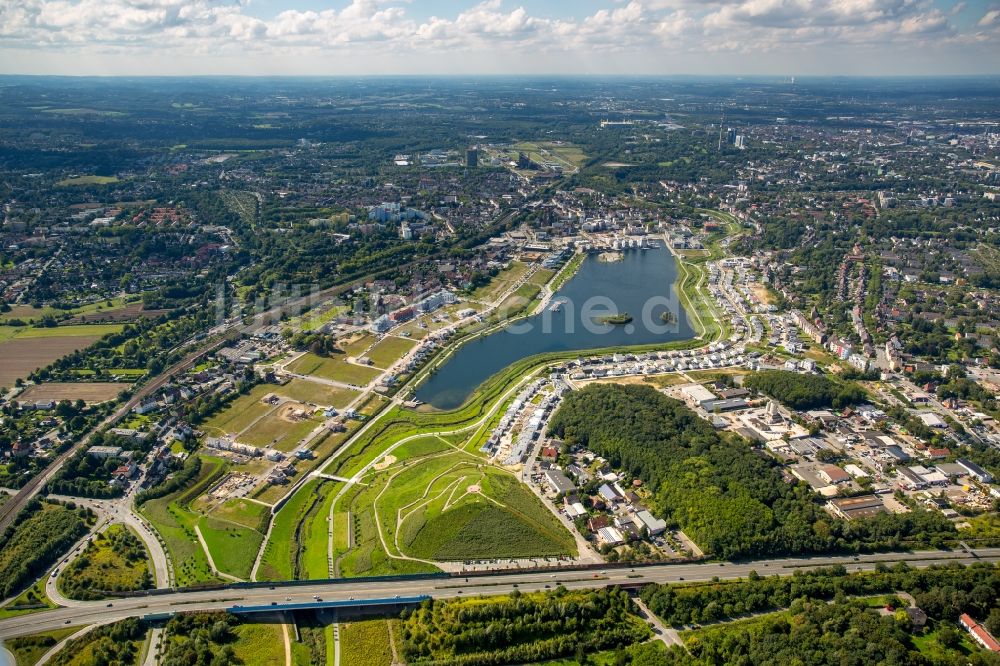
{"type": "Point", "coordinates": [463, 37]}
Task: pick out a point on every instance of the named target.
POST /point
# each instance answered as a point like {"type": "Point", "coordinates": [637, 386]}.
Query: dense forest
{"type": "Point", "coordinates": [802, 392]}
{"type": "Point", "coordinates": [40, 535]}
{"type": "Point", "coordinates": [731, 500]}
{"type": "Point", "coordinates": [201, 638]}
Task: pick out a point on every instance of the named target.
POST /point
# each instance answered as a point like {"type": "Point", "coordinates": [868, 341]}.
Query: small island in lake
{"type": "Point", "coordinates": [668, 317]}
{"type": "Point", "coordinates": [615, 319]}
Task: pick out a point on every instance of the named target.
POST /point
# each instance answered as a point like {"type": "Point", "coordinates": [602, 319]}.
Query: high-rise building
{"type": "Point", "coordinates": [731, 136]}
{"type": "Point", "coordinates": [738, 141]}
{"type": "Point", "coordinates": [472, 158]}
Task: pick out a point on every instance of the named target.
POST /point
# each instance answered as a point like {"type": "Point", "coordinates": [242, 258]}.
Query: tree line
{"type": "Point", "coordinates": [520, 628]}
{"type": "Point", "coordinates": [801, 391]}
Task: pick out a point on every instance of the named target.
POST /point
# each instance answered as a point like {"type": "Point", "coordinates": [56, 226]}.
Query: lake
{"type": "Point", "coordinates": [640, 284]}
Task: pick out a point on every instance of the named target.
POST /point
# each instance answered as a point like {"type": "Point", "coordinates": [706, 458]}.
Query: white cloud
{"type": "Point", "coordinates": [990, 18]}
{"type": "Point", "coordinates": [490, 27]}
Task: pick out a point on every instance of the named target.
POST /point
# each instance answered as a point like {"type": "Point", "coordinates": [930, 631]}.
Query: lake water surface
{"type": "Point", "coordinates": [641, 284]}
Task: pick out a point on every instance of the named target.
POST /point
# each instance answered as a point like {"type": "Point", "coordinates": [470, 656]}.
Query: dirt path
{"type": "Point", "coordinates": [668, 635]}
{"type": "Point", "coordinates": [288, 644]}
{"type": "Point", "coordinates": [211, 562]}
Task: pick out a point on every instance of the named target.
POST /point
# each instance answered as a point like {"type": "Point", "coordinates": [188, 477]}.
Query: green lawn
{"type": "Point", "coordinates": [243, 512]}
{"type": "Point", "coordinates": [297, 527]}
{"type": "Point", "coordinates": [174, 520]}
{"type": "Point", "coordinates": [314, 537]}
{"type": "Point", "coordinates": [445, 505]}
{"type": "Point", "coordinates": [541, 276]}
{"type": "Point", "coordinates": [334, 367]}
{"type": "Point", "coordinates": [316, 393]}
{"type": "Point", "coordinates": [389, 350]}
{"type": "Point", "coordinates": [233, 547]}
{"type": "Point", "coordinates": [503, 281]}
{"type": "Point", "coordinates": [279, 433]}
{"type": "Point", "coordinates": [568, 155]}
{"type": "Point", "coordinates": [514, 524]}
{"type": "Point", "coordinates": [241, 412]}
{"type": "Point", "coordinates": [260, 644]}
{"type": "Point", "coordinates": [365, 643]}
{"type": "Point", "coordinates": [359, 345]}
{"type": "Point", "coordinates": [25, 602]}
{"type": "Point", "coordinates": [928, 645]}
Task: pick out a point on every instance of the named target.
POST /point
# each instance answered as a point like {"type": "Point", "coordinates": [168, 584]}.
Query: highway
{"type": "Point", "coordinates": [80, 613]}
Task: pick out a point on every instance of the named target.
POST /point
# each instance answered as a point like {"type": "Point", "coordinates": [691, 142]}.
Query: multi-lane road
{"type": "Point", "coordinates": [82, 613]}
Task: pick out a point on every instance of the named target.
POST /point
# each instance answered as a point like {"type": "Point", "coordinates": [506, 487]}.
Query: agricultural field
{"type": "Point", "coordinates": [335, 368]}
{"type": "Point", "coordinates": [389, 350]}
{"type": "Point", "coordinates": [175, 521]}
{"type": "Point", "coordinates": [25, 349]}
{"type": "Point", "coordinates": [89, 392]}
{"type": "Point", "coordinates": [115, 560]}
{"type": "Point", "coordinates": [111, 309]}
{"type": "Point", "coordinates": [366, 643]}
